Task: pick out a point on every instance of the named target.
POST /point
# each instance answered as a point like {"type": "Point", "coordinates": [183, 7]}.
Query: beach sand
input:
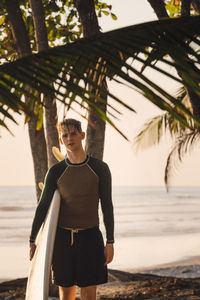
{"type": "Point", "coordinates": [179, 281]}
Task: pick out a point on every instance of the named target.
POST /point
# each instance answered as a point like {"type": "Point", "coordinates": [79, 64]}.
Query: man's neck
{"type": "Point", "coordinates": [77, 157]}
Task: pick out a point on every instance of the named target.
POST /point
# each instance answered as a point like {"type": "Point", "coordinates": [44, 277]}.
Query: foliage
{"type": "Point", "coordinates": [174, 8]}
{"type": "Point", "coordinates": [183, 144]}
{"type": "Point", "coordinates": [62, 24]}
{"type": "Point", "coordinates": [184, 139]}
{"type": "Point", "coordinates": [157, 127]}
{"type": "Point", "coordinates": [108, 55]}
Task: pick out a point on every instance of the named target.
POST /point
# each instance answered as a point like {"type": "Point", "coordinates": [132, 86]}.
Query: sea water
{"type": "Point", "coordinates": [152, 227]}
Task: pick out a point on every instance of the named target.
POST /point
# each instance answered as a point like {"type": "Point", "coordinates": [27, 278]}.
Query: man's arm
{"type": "Point", "coordinates": [105, 192]}
{"type": "Point", "coordinates": [109, 253]}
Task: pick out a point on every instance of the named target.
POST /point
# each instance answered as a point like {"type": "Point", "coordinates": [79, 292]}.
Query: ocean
{"type": "Point", "coordinates": [152, 227]}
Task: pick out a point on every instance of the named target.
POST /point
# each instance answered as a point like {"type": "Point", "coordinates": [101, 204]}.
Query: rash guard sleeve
{"type": "Point", "coordinates": [105, 193]}
{"type": "Point", "coordinates": [50, 186]}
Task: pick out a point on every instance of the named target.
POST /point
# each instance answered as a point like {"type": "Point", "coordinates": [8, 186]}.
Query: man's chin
{"type": "Point", "coordinates": [69, 149]}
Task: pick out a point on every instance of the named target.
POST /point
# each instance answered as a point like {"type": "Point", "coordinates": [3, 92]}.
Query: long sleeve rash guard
{"type": "Point", "coordinates": [80, 186]}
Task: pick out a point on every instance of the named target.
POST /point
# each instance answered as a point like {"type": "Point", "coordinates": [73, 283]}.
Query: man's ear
{"type": "Point", "coordinates": [82, 135]}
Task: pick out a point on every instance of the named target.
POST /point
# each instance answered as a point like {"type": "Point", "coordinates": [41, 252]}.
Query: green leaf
{"type": "Point", "coordinates": [105, 12]}
{"type": "Point", "coordinates": [2, 20]}
{"type": "Point", "coordinates": [114, 17]}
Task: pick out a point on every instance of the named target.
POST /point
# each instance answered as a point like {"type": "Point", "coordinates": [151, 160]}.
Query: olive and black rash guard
{"type": "Point", "coordinates": [80, 186]}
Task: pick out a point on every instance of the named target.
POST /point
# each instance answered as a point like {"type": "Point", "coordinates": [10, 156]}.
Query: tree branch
{"type": "Point", "coordinates": [18, 28]}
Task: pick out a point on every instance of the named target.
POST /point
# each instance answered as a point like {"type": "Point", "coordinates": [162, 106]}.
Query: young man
{"type": "Point", "coordinates": [80, 258]}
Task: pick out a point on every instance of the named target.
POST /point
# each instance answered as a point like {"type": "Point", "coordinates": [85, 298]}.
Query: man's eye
{"type": "Point", "coordinates": [65, 135]}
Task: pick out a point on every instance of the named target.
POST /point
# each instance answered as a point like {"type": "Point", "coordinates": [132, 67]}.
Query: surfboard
{"type": "Point", "coordinates": [39, 274]}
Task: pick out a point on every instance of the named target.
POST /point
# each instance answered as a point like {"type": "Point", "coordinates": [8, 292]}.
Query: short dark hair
{"type": "Point", "coordinates": [69, 122]}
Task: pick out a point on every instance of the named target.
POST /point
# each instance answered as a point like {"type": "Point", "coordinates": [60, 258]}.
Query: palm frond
{"type": "Point", "coordinates": [181, 93]}
{"type": "Point", "coordinates": [69, 70]}
{"type": "Point", "coordinates": [183, 145]}
{"type": "Point", "coordinates": [155, 128]}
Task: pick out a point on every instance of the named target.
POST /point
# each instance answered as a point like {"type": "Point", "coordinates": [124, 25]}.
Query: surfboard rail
{"type": "Point", "coordinates": [40, 267]}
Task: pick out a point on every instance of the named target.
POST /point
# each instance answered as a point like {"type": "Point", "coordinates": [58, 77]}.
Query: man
{"type": "Point", "coordinates": [80, 258]}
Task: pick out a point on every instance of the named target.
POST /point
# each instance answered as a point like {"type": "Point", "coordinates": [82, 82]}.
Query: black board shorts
{"type": "Point", "coordinates": [80, 263]}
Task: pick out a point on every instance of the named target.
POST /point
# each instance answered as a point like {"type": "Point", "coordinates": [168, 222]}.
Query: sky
{"type": "Point", "coordinates": [128, 167]}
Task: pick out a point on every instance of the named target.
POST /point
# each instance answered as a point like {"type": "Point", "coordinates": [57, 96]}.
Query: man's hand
{"type": "Point", "coordinates": [109, 253]}
{"type": "Point", "coordinates": [32, 250]}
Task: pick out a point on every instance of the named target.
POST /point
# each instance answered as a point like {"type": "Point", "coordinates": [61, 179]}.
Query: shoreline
{"type": "Point", "coordinates": [194, 260]}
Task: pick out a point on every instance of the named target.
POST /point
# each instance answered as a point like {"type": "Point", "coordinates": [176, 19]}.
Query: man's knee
{"type": "Point", "coordinates": [88, 292]}
{"type": "Point", "coordinates": [67, 293]}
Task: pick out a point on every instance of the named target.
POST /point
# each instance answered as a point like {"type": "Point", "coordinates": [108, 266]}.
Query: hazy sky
{"type": "Point", "coordinates": [128, 168]}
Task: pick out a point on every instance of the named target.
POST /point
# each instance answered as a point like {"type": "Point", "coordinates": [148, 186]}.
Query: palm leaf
{"type": "Point", "coordinates": [182, 146]}
{"type": "Point", "coordinates": [64, 70]}
{"type": "Point", "coordinates": [183, 137]}
{"type": "Point", "coordinates": [155, 128]}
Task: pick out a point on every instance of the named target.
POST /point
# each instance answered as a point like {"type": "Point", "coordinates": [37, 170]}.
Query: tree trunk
{"type": "Point", "coordinates": [39, 24]}
{"type": "Point", "coordinates": [50, 125]}
{"type": "Point", "coordinates": [185, 8]}
{"type": "Point", "coordinates": [49, 99]}
{"type": "Point", "coordinates": [88, 17]}
{"type": "Point", "coordinates": [39, 153]}
{"type": "Point", "coordinates": [159, 8]}
{"type": "Point", "coordinates": [96, 130]}
{"type": "Point", "coordinates": [18, 28]}
{"type": "Point", "coordinates": [95, 134]}
{"type": "Point", "coordinates": [37, 139]}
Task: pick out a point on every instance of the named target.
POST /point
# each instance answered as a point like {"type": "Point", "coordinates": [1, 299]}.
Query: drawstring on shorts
{"type": "Point", "coordinates": [72, 235]}
{"type": "Point", "coordinates": [76, 231]}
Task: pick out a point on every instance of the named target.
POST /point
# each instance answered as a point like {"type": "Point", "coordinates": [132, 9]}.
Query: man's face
{"type": "Point", "coordinates": [71, 138]}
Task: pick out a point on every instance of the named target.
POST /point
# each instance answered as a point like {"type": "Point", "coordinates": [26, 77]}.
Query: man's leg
{"type": "Point", "coordinates": [67, 293]}
{"type": "Point", "coordinates": [88, 293]}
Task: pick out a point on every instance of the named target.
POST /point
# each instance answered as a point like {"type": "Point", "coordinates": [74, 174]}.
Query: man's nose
{"type": "Point", "coordinates": [69, 137]}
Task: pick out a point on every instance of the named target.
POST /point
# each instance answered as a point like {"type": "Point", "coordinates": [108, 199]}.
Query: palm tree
{"type": "Point", "coordinates": [107, 55]}
{"type": "Point", "coordinates": [35, 32]}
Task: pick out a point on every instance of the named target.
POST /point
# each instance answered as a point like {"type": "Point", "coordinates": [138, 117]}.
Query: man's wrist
{"type": "Point", "coordinates": [110, 242]}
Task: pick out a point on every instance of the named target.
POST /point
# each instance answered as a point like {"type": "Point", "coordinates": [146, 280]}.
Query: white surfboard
{"type": "Point", "coordinates": [38, 280]}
